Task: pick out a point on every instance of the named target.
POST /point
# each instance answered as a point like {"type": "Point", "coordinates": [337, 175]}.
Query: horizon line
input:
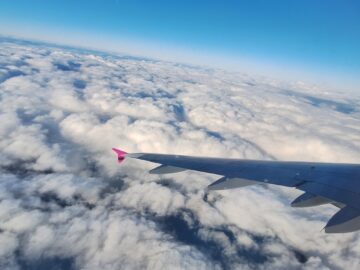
{"type": "Point", "coordinates": [245, 65]}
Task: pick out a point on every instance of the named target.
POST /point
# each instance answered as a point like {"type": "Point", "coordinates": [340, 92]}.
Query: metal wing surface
{"type": "Point", "coordinates": [322, 183]}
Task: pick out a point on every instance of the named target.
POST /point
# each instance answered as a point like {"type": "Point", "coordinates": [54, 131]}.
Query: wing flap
{"type": "Point", "coordinates": [345, 220]}
{"type": "Point", "coordinates": [164, 169]}
{"type": "Point", "coordinates": [334, 194]}
{"type": "Point", "coordinates": [230, 183]}
{"type": "Point", "coordinates": [309, 200]}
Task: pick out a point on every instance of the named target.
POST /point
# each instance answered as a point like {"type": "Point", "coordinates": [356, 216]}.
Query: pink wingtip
{"type": "Point", "coordinates": [120, 154]}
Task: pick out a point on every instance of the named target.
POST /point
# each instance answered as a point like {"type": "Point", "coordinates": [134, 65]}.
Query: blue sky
{"type": "Point", "coordinates": [297, 38]}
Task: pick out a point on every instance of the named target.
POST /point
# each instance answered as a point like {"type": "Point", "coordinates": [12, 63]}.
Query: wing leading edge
{"type": "Point", "coordinates": [335, 183]}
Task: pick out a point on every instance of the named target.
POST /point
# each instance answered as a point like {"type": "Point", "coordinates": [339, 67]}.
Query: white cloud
{"type": "Point", "coordinates": [64, 200]}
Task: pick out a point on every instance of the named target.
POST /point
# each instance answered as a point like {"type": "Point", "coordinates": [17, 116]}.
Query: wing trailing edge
{"type": "Point", "coordinates": [164, 169]}
{"type": "Point", "coordinates": [345, 220]}
{"type": "Point", "coordinates": [229, 183]}
{"type": "Point", "coordinates": [309, 200]}
{"type": "Point", "coordinates": [323, 183]}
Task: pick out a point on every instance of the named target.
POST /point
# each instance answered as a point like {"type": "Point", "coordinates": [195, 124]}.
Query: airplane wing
{"type": "Point", "coordinates": [322, 183]}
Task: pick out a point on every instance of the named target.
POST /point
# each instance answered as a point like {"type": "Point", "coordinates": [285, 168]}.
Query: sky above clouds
{"type": "Point", "coordinates": [307, 40]}
{"type": "Point", "coordinates": [66, 203]}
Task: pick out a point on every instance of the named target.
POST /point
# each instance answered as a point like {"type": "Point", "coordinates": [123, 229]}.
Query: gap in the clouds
{"type": "Point", "coordinates": [53, 136]}
{"type": "Point", "coordinates": [211, 198]}
{"type": "Point", "coordinates": [10, 73]}
{"type": "Point", "coordinates": [89, 165]}
{"type": "Point", "coordinates": [27, 116]}
{"type": "Point", "coordinates": [53, 132]}
{"type": "Point", "coordinates": [164, 94]}
{"type": "Point", "coordinates": [179, 112]}
{"type": "Point", "coordinates": [19, 63]}
{"type": "Point", "coordinates": [51, 198]}
{"type": "Point", "coordinates": [248, 83]}
{"type": "Point", "coordinates": [215, 134]}
{"type": "Point", "coordinates": [113, 185]}
{"type": "Point", "coordinates": [172, 185]}
{"type": "Point", "coordinates": [153, 95]}
{"type": "Point", "coordinates": [67, 66]}
{"type": "Point", "coordinates": [21, 169]}
{"type": "Point", "coordinates": [79, 84]}
{"type": "Point", "coordinates": [300, 256]}
{"type": "Point", "coordinates": [103, 118]}
{"type": "Point", "coordinates": [80, 94]}
{"type": "Point", "coordinates": [337, 106]}
{"type": "Point", "coordinates": [185, 227]}
{"type": "Point", "coordinates": [45, 263]}
{"type": "Point", "coordinates": [342, 107]}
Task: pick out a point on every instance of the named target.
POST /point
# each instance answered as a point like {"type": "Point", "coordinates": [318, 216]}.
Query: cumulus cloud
{"type": "Point", "coordinates": [66, 203]}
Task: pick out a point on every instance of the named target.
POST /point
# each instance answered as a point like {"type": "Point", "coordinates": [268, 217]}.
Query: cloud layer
{"type": "Point", "coordinates": [66, 203]}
